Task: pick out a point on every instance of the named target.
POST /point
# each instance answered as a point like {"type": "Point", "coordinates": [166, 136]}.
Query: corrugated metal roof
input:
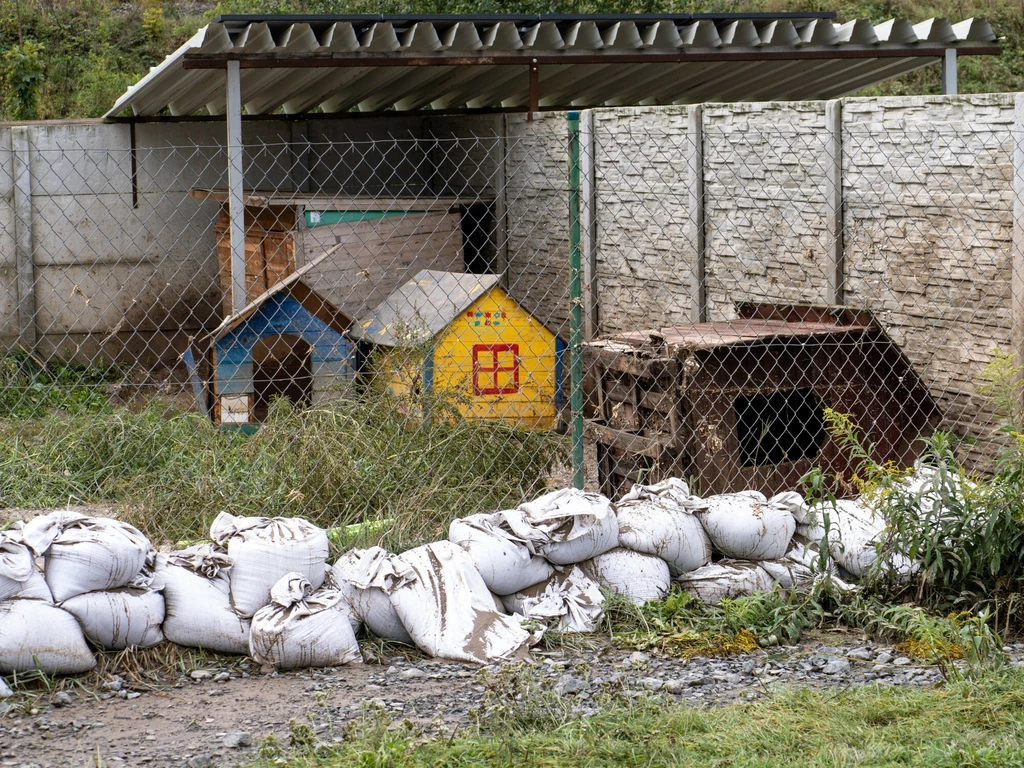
{"type": "Point", "coordinates": [371, 63]}
{"type": "Point", "coordinates": [422, 308]}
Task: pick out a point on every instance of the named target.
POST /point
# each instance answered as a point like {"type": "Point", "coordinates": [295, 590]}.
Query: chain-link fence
{"type": "Point", "coordinates": [403, 347]}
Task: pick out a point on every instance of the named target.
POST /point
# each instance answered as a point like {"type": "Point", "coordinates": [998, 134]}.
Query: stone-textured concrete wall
{"type": "Point", "coordinates": [927, 223]}
{"type": "Point", "coordinates": [642, 251]}
{"type": "Point", "coordinates": [765, 187]}
{"type": "Point", "coordinates": [928, 227]}
{"type": "Point", "coordinates": [537, 195]}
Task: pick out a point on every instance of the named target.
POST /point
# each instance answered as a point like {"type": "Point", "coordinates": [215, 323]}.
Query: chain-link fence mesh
{"type": "Point", "coordinates": [404, 349]}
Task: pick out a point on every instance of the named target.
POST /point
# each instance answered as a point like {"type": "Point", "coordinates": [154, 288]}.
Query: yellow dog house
{"type": "Point", "coordinates": [461, 333]}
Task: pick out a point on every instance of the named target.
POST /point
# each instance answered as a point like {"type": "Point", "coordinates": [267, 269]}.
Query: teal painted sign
{"type": "Point", "coordinates": [323, 218]}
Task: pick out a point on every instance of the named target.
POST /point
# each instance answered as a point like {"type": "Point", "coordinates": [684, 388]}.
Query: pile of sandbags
{"type": "Point", "coordinates": [71, 583]}
{"type": "Point", "coordinates": [94, 584]}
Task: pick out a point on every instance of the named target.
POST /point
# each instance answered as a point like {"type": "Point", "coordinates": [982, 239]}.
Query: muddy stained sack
{"type": "Point", "coordinates": [263, 550]}
{"type": "Point", "coordinates": [568, 601]}
{"type": "Point", "coordinates": [660, 520]}
{"type": "Point", "coordinates": [35, 634]}
{"type": "Point", "coordinates": [747, 526]}
{"type": "Point", "coordinates": [129, 616]}
{"type": "Point", "coordinates": [19, 576]}
{"type": "Point", "coordinates": [197, 601]}
{"type": "Point", "coordinates": [637, 577]}
{"type": "Point", "coordinates": [356, 575]}
{"type": "Point", "coordinates": [566, 526]}
{"type": "Point", "coordinates": [505, 561]}
{"type": "Point", "coordinates": [347, 592]}
{"type": "Point", "coordinates": [448, 610]}
{"type": "Point", "coordinates": [83, 554]}
{"type": "Point", "coordinates": [726, 579]}
{"type": "Point", "coordinates": [303, 627]}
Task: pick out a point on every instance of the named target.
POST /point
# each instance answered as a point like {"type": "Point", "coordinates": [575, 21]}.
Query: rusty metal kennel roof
{"type": "Point", "coordinates": [296, 64]}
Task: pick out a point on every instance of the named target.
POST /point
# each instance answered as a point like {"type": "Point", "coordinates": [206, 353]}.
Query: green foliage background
{"type": "Point", "coordinates": [89, 51]}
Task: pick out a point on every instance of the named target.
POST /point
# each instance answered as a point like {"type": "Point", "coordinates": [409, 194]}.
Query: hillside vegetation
{"type": "Point", "coordinates": [73, 58]}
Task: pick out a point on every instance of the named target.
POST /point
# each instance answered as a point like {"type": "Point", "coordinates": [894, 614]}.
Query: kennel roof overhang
{"type": "Point", "coordinates": [295, 64]}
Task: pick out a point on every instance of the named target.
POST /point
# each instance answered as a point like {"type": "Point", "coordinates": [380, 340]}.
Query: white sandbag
{"type": "Point", "coordinates": [566, 526]}
{"type": "Point", "coordinates": [447, 608]}
{"type": "Point", "coordinates": [747, 526]}
{"type": "Point", "coordinates": [197, 598]}
{"type": "Point", "coordinates": [263, 550]}
{"type": "Point", "coordinates": [129, 616]}
{"type": "Point", "coordinates": [354, 574]}
{"type": "Point", "coordinates": [796, 504]}
{"type": "Point", "coordinates": [568, 601]}
{"type": "Point", "coordinates": [19, 576]}
{"type": "Point", "coordinates": [85, 554]}
{"type": "Point", "coordinates": [5, 690]}
{"type": "Point", "coordinates": [37, 635]}
{"type": "Point", "coordinates": [726, 579]}
{"type": "Point", "coordinates": [634, 575]}
{"type": "Point", "coordinates": [303, 627]}
{"type": "Point", "coordinates": [504, 560]}
{"type": "Point", "coordinates": [659, 520]}
{"type": "Point", "coordinates": [854, 534]}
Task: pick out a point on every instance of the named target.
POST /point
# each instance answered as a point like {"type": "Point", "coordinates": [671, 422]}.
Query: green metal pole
{"type": "Point", "coordinates": [575, 305]}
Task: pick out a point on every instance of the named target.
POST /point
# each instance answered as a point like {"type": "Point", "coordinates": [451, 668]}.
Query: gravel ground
{"type": "Point", "coordinates": [218, 716]}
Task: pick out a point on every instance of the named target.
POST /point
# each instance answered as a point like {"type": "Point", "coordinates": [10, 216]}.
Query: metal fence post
{"type": "Point", "coordinates": [575, 305]}
{"type": "Point", "coordinates": [236, 179]}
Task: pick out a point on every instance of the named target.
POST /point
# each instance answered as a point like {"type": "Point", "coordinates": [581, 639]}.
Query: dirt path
{"type": "Point", "coordinates": [221, 718]}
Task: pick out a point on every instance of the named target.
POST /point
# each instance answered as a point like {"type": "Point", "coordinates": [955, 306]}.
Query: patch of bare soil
{"type": "Point", "coordinates": [219, 715]}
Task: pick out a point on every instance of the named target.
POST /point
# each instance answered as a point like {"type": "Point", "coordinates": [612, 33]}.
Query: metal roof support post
{"type": "Point", "coordinates": [236, 176]}
{"type": "Point", "coordinates": [949, 72]}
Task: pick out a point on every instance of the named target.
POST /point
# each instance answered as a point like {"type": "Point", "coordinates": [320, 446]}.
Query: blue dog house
{"type": "Point", "coordinates": [288, 342]}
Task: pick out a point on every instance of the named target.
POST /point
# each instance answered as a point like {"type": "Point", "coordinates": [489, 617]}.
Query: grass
{"type": "Point", "coordinates": [352, 461]}
{"type": "Point", "coordinates": [963, 723]}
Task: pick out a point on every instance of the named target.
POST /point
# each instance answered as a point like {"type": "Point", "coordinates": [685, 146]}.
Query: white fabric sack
{"type": "Point", "coordinates": [796, 504]}
{"type": "Point", "coordinates": [303, 628]}
{"type": "Point", "coordinates": [37, 635]}
{"type": "Point", "coordinates": [634, 575]}
{"type": "Point", "coordinates": [855, 531]}
{"type": "Point", "coordinates": [348, 594]}
{"type": "Point", "coordinates": [5, 691]}
{"type": "Point", "coordinates": [354, 574]}
{"type": "Point", "coordinates": [659, 520]}
{"type": "Point", "coordinates": [197, 597]}
{"type": "Point", "coordinates": [801, 567]}
{"type": "Point", "coordinates": [263, 550]}
{"type": "Point", "coordinates": [19, 576]}
{"type": "Point", "coordinates": [566, 526]}
{"type": "Point", "coordinates": [447, 608]}
{"type": "Point", "coordinates": [504, 560]}
{"type": "Point", "coordinates": [129, 616]}
{"type": "Point", "coordinates": [569, 601]}
{"type": "Point", "coordinates": [726, 579]}
{"type": "Point", "coordinates": [85, 554]}
{"type": "Point", "coordinates": [747, 526]}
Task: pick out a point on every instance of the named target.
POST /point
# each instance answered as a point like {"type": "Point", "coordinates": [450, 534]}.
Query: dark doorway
{"type": "Point", "coordinates": [282, 367]}
{"type": "Point", "coordinates": [779, 427]}
{"type": "Point", "coordinates": [479, 237]}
